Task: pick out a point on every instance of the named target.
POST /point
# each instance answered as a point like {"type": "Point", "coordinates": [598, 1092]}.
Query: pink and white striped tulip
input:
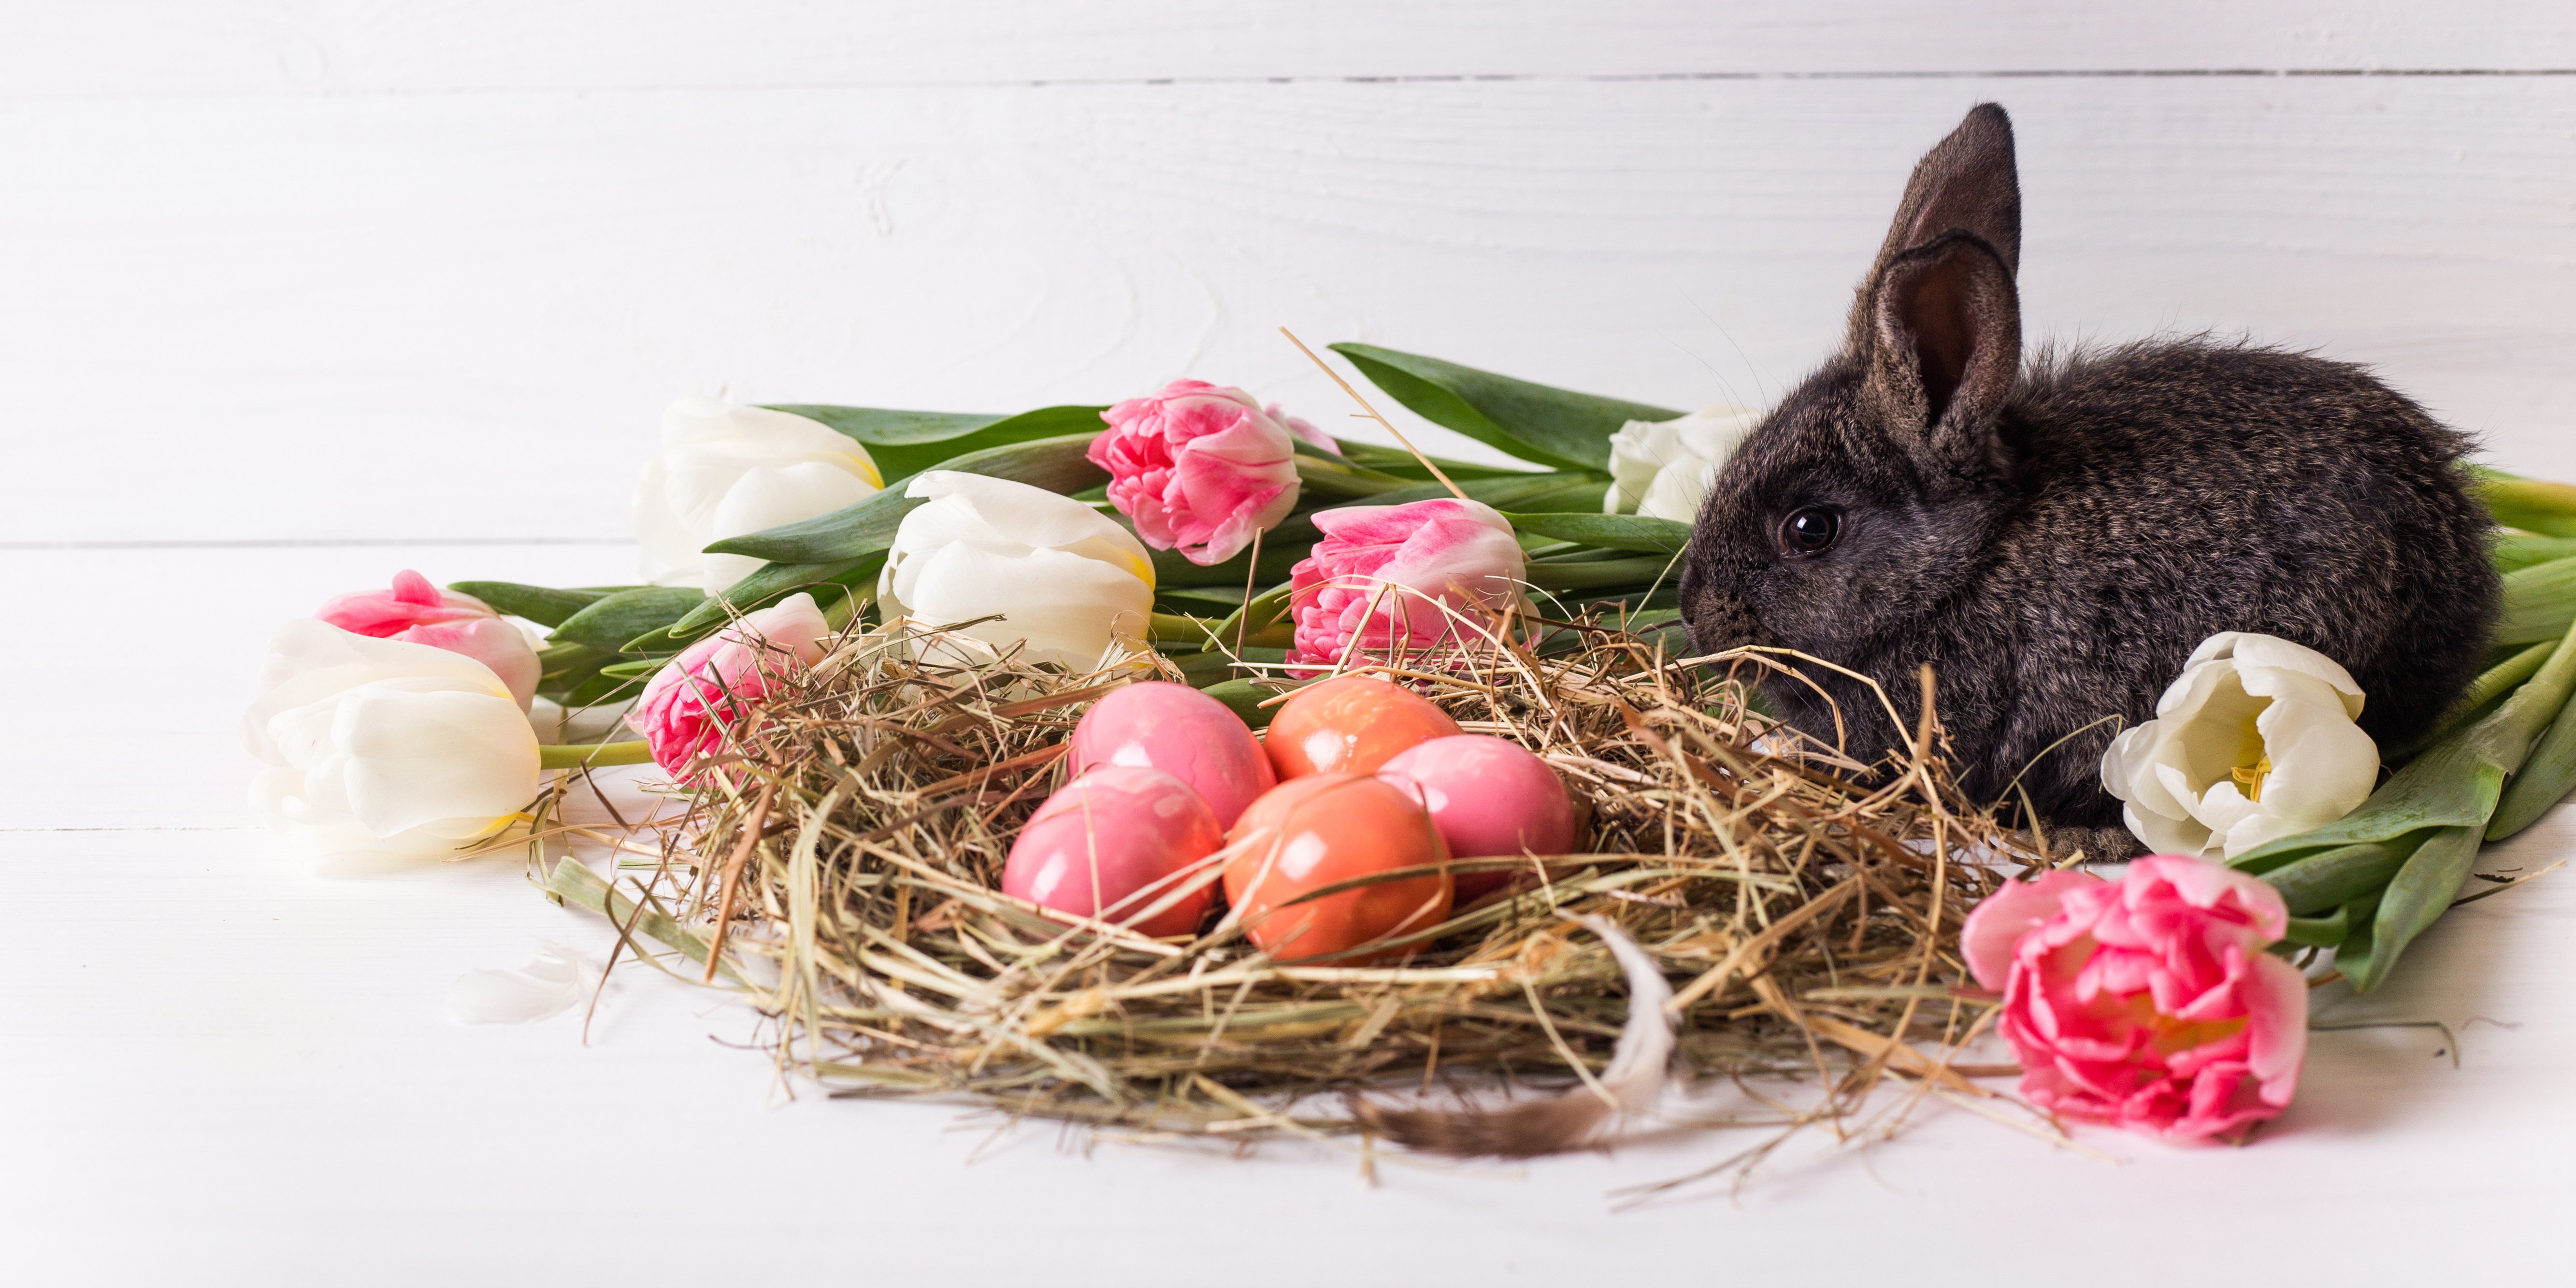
{"type": "Point", "coordinates": [1200, 468]}
{"type": "Point", "coordinates": [690, 703]}
{"type": "Point", "coordinates": [1384, 576]}
{"type": "Point", "coordinates": [417, 612]}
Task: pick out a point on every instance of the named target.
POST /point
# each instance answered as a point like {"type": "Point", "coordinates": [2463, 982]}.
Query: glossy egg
{"type": "Point", "coordinates": [1488, 796]}
{"type": "Point", "coordinates": [1184, 733]}
{"type": "Point", "coordinates": [1323, 829]}
{"type": "Point", "coordinates": [1104, 844]}
{"type": "Point", "coordinates": [1350, 725]}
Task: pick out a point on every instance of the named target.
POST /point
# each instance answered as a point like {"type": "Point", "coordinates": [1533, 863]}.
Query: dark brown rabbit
{"type": "Point", "coordinates": [2055, 538]}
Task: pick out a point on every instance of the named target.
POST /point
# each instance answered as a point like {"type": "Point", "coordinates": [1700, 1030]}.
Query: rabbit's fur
{"type": "Point", "coordinates": [2054, 539]}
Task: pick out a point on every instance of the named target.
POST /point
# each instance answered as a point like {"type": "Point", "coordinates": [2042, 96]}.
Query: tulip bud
{"type": "Point", "coordinates": [1383, 574]}
{"type": "Point", "coordinates": [1067, 581]}
{"type": "Point", "coordinates": [1201, 469]}
{"type": "Point", "coordinates": [385, 746]}
{"type": "Point", "coordinates": [689, 704]}
{"type": "Point", "coordinates": [417, 612]}
{"type": "Point", "coordinates": [1663, 468]}
{"type": "Point", "coordinates": [727, 471]}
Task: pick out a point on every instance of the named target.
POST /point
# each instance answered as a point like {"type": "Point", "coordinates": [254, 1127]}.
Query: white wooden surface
{"type": "Point", "coordinates": [300, 293]}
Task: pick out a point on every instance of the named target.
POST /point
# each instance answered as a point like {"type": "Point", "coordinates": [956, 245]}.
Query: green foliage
{"type": "Point", "coordinates": [904, 443]}
{"type": "Point", "coordinates": [1531, 421]}
{"type": "Point", "coordinates": [539, 604]}
{"type": "Point", "coordinates": [2426, 819]}
{"type": "Point", "coordinates": [1608, 531]}
{"type": "Point", "coordinates": [614, 619]}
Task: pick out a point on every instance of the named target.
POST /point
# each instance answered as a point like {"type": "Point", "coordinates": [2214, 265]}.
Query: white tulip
{"type": "Point", "coordinates": [2253, 742]}
{"type": "Point", "coordinates": [727, 471]}
{"type": "Point", "coordinates": [1663, 468]}
{"type": "Point", "coordinates": [1068, 581]}
{"type": "Point", "coordinates": [384, 746]}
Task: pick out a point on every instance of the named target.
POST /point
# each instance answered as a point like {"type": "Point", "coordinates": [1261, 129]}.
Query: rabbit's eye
{"type": "Point", "coordinates": [1810, 531]}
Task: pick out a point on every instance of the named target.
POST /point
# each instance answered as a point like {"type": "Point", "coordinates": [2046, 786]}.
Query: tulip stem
{"type": "Point", "coordinates": [594, 754]}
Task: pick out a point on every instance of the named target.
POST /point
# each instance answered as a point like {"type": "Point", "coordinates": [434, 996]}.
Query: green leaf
{"type": "Point", "coordinates": [1567, 490]}
{"type": "Point", "coordinates": [2320, 932]}
{"type": "Point", "coordinates": [1532, 422]}
{"type": "Point", "coordinates": [2529, 504]}
{"type": "Point", "coordinates": [1608, 531]}
{"type": "Point", "coordinates": [562, 669]}
{"type": "Point", "coordinates": [2516, 550]}
{"type": "Point", "coordinates": [1214, 667]}
{"type": "Point", "coordinates": [2545, 778]}
{"type": "Point", "coordinates": [1596, 574]}
{"type": "Point", "coordinates": [1244, 698]}
{"type": "Point", "coordinates": [767, 585]}
{"type": "Point", "coordinates": [539, 604]}
{"type": "Point", "coordinates": [2455, 783]}
{"type": "Point", "coordinates": [1403, 464]}
{"type": "Point", "coordinates": [2539, 602]}
{"type": "Point", "coordinates": [2332, 878]}
{"type": "Point", "coordinates": [904, 443]}
{"type": "Point", "coordinates": [620, 617]}
{"type": "Point", "coordinates": [2420, 894]}
{"type": "Point", "coordinates": [855, 532]}
{"type": "Point", "coordinates": [1328, 479]}
{"type": "Point", "coordinates": [2488, 689]}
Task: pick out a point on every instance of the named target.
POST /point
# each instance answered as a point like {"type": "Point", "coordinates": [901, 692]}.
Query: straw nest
{"type": "Point", "coordinates": [1797, 905]}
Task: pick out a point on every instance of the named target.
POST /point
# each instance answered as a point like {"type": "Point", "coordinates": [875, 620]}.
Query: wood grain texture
{"type": "Point", "coordinates": [456, 316]}
{"type": "Point", "coordinates": [150, 48]}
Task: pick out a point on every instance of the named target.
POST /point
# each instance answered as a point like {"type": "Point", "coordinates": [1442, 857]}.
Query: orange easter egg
{"type": "Point", "coordinates": [1321, 830]}
{"type": "Point", "coordinates": [1351, 725]}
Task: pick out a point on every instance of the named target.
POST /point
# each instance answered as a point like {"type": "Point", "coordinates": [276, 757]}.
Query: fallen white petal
{"type": "Point", "coordinates": [550, 983]}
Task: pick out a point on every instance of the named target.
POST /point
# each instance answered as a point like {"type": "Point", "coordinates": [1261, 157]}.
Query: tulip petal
{"type": "Point", "coordinates": [417, 758]}
{"type": "Point", "coordinates": [1995, 927]}
{"type": "Point", "coordinates": [551, 983]}
{"type": "Point", "coordinates": [2276, 1008]}
{"type": "Point", "coordinates": [709, 448]}
{"type": "Point", "coordinates": [1068, 608]}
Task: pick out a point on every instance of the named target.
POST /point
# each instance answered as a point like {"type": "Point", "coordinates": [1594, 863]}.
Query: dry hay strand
{"type": "Point", "coordinates": [1799, 907]}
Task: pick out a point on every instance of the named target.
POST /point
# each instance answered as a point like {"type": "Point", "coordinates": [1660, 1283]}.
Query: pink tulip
{"type": "Point", "coordinates": [417, 612]}
{"type": "Point", "coordinates": [2147, 1003]}
{"type": "Point", "coordinates": [690, 703]}
{"type": "Point", "coordinates": [1200, 469]}
{"type": "Point", "coordinates": [1383, 574]}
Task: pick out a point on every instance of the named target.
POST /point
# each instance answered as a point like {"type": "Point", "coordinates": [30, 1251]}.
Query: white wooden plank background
{"type": "Point", "coordinates": [293, 294]}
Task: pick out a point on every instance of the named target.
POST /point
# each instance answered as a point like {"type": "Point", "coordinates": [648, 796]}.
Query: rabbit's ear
{"type": "Point", "coordinates": [1967, 182]}
{"type": "Point", "coordinates": [1943, 347]}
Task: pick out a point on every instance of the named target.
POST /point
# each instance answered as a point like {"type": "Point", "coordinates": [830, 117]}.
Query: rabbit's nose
{"type": "Point", "coordinates": [1721, 619]}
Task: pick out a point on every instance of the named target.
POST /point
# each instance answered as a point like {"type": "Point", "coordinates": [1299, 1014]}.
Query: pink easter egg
{"type": "Point", "coordinates": [1488, 797]}
{"type": "Point", "coordinates": [1184, 733]}
{"type": "Point", "coordinates": [1104, 844]}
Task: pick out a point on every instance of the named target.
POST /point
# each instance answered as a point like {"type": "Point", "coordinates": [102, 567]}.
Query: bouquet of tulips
{"type": "Point", "coordinates": [1235, 539]}
{"type": "Point", "coordinates": [1239, 541]}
